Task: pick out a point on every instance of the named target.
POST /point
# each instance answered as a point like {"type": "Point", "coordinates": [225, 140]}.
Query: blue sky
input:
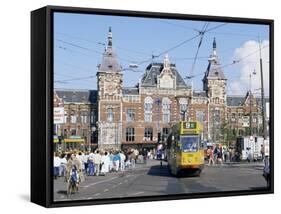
{"type": "Point", "coordinates": [77, 51]}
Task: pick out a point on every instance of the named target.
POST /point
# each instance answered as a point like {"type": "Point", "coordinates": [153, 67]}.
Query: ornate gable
{"type": "Point", "coordinates": [166, 79]}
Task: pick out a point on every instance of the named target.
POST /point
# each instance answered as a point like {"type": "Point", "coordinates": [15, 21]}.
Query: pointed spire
{"type": "Point", "coordinates": [109, 37]}
{"type": "Point", "coordinates": [214, 47]}
{"type": "Point", "coordinates": [109, 60]}
{"type": "Point", "coordinates": [166, 62]}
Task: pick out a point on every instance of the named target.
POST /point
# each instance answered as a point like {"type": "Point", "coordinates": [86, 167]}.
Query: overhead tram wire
{"type": "Point", "coordinates": [202, 33]}
{"type": "Point", "coordinates": [61, 47]}
{"type": "Point", "coordinates": [181, 43]}
{"type": "Point", "coordinates": [101, 43]}
{"type": "Point", "coordinates": [234, 62]}
{"type": "Point", "coordinates": [75, 79]}
{"type": "Point", "coordinates": [176, 46]}
{"type": "Point", "coordinates": [144, 61]}
{"type": "Point", "coordinates": [88, 49]}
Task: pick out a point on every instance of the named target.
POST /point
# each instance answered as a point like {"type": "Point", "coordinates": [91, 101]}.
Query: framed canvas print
{"type": "Point", "coordinates": [132, 106]}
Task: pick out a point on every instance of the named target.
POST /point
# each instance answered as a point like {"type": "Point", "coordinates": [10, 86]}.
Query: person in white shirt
{"type": "Point", "coordinates": [63, 163]}
{"type": "Point", "coordinates": [122, 161]}
{"type": "Point", "coordinates": [105, 160]}
{"type": "Point", "coordinates": [80, 157]}
{"type": "Point", "coordinates": [57, 163]}
{"type": "Point", "coordinates": [97, 162]}
{"type": "Point", "coordinates": [85, 162]}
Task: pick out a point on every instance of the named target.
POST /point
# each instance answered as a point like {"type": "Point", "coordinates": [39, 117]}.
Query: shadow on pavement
{"type": "Point", "coordinates": [159, 171]}
{"type": "Point", "coordinates": [163, 171]}
{"type": "Point", "coordinates": [62, 192]}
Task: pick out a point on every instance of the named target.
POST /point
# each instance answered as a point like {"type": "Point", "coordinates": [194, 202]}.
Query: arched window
{"type": "Point", "coordinates": [73, 117]}
{"type": "Point", "coordinates": [233, 117]}
{"type": "Point", "coordinates": [217, 100]}
{"type": "Point", "coordinates": [65, 116]}
{"type": "Point", "coordinates": [148, 102]}
{"type": "Point", "coordinates": [109, 113]}
{"type": "Point", "coordinates": [166, 109]}
{"type": "Point", "coordinates": [83, 117]}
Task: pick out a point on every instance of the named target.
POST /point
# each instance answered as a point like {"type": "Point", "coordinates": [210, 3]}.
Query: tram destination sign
{"type": "Point", "coordinates": [189, 128]}
{"type": "Point", "coordinates": [189, 125]}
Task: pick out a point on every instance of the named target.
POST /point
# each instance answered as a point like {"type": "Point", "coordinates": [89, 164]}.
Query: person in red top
{"type": "Point", "coordinates": [211, 156]}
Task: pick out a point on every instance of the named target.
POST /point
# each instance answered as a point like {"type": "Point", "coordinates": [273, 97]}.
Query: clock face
{"type": "Point", "coordinates": [110, 87]}
{"type": "Point", "coordinates": [166, 82]}
{"type": "Point", "coordinates": [216, 92]}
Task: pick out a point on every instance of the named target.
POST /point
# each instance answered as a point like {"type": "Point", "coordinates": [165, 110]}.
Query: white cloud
{"type": "Point", "coordinates": [250, 63]}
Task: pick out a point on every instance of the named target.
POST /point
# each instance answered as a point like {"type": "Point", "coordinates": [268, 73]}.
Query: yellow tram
{"type": "Point", "coordinates": [185, 152]}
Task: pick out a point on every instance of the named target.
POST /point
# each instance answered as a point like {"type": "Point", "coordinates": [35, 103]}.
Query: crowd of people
{"type": "Point", "coordinates": [94, 163]}
{"type": "Point", "coordinates": [218, 154]}
{"type": "Point", "coordinates": [97, 163]}
{"type": "Point", "coordinates": [74, 166]}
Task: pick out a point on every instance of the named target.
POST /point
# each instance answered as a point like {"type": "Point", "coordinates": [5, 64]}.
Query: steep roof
{"type": "Point", "coordinates": [130, 91]}
{"type": "Point", "coordinates": [233, 100]}
{"type": "Point", "coordinates": [199, 94]}
{"type": "Point", "coordinates": [109, 60]}
{"type": "Point", "coordinates": [238, 100]}
{"type": "Point", "coordinates": [154, 69]}
{"type": "Point", "coordinates": [77, 96]}
{"type": "Point", "coordinates": [214, 70]}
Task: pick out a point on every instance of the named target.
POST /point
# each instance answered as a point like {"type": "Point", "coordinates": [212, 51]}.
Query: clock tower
{"type": "Point", "coordinates": [214, 84]}
{"type": "Point", "coordinates": [214, 81]}
{"type": "Point", "coordinates": [109, 85]}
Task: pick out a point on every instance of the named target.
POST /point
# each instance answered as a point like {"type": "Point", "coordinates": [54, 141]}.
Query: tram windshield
{"type": "Point", "coordinates": [189, 143]}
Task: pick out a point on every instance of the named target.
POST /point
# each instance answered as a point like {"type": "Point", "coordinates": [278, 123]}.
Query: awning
{"type": "Point", "coordinates": [73, 140]}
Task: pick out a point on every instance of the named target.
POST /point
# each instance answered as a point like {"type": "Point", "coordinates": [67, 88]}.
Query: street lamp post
{"type": "Point", "coordinates": [92, 131]}
{"type": "Point", "coordinates": [251, 103]}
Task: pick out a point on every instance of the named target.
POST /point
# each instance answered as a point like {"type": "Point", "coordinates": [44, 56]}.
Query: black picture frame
{"type": "Point", "coordinates": [42, 75]}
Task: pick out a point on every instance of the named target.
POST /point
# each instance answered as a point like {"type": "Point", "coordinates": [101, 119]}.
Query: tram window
{"type": "Point", "coordinates": [189, 144]}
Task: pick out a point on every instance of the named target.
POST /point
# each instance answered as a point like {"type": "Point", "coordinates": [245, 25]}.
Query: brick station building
{"type": "Point", "coordinates": [141, 116]}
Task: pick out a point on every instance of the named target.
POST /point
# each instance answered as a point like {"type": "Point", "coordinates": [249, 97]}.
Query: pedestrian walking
{"type": "Point", "coordinates": [144, 156]}
{"type": "Point", "coordinates": [85, 162]}
{"type": "Point", "coordinates": [215, 152]}
{"type": "Point", "coordinates": [106, 162]}
{"type": "Point", "coordinates": [116, 161]}
{"type": "Point", "coordinates": [63, 163]}
{"type": "Point", "coordinates": [220, 155]}
{"type": "Point", "coordinates": [57, 163]}
{"type": "Point", "coordinates": [122, 161]}
{"type": "Point", "coordinates": [262, 152]}
{"type": "Point", "coordinates": [91, 165]}
{"type": "Point", "coordinates": [97, 162]}
{"type": "Point", "coordinates": [79, 166]}
{"type": "Point", "coordinates": [211, 157]}
{"type": "Point", "coordinates": [133, 158]}
{"type": "Point", "coordinates": [110, 161]}
{"type": "Point", "coordinates": [248, 155]}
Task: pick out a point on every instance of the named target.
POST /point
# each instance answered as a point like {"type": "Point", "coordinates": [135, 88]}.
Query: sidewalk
{"type": "Point", "coordinates": [241, 163]}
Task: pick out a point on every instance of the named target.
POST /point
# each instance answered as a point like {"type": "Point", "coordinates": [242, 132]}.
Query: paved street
{"type": "Point", "coordinates": [152, 179]}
